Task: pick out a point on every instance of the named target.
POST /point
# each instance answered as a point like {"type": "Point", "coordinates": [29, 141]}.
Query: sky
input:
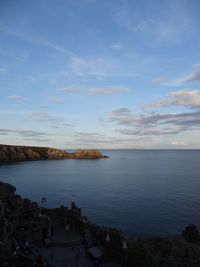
{"type": "Point", "coordinates": [100, 73]}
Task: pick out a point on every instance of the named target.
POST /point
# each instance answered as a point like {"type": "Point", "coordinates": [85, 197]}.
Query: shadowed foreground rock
{"type": "Point", "coordinates": [26, 229]}
{"type": "Point", "coordinates": [9, 153]}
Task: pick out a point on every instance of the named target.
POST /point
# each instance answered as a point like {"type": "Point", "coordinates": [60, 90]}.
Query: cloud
{"type": "Point", "coordinates": [196, 66]}
{"type": "Point", "coordinates": [107, 91]}
{"type": "Point", "coordinates": [33, 39]}
{"type": "Point", "coordinates": [97, 91]}
{"type": "Point", "coordinates": [43, 106]}
{"type": "Point", "coordinates": [195, 76]}
{"type": "Point", "coordinates": [147, 131]}
{"type": "Point", "coordinates": [98, 68]}
{"type": "Point", "coordinates": [90, 66]}
{"type": "Point", "coordinates": [160, 80]}
{"type": "Point", "coordinates": [70, 89]}
{"type": "Point", "coordinates": [3, 70]}
{"type": "Point", "coordinates": [172, 24]}
{"type": "Point", "coordinates": [154, 124]}
{"type": "Point", "coordinates": [92, 139]}
{"type": "Point", "coordinates": [187, 97]}
{"type": "Point", "coordinates": [44, 117]}
{"type": "Point", "coordinates": [57, 100]}
{"type": "Point", "coordinates": [117, 46]}
{"type": "Point", "coordinates": [121, 111]}
{"type": "Point", "coordinates": [178, 143]}
{"type": "Point", "coordinates": [16, 98]}
{"type": "Point", "coordinates": [192, 77]}
{"type": "Point", "coordinates": [26, 135]}
{"type": "Point", "coordinates": [23, 133]}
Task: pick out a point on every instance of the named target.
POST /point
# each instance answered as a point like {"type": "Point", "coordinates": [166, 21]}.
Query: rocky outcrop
{"type": "Point", "coordinates": [164, 252]}
{"type": "Point", "coordinates": [6, 190]}
{"type": "Point", "coordinates": [87, 153]}
{"type": "Point", "coordinates": [175, 251]}
{"type": "Point", "coordinates": [9, 153]}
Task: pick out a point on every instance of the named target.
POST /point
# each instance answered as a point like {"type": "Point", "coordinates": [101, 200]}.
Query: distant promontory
{"type": "Point", "coordinates": [9, 153]}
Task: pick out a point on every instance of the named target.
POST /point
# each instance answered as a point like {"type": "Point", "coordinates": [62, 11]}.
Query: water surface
{"type": "Point", "coordinates": [143, 192]}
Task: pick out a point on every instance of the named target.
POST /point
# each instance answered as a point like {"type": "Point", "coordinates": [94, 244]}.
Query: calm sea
{"type": "Point", "coordinates": [142, 192]}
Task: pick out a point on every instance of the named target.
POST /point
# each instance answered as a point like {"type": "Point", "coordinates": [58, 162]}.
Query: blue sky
{"type": "Point", "coordinates": [100, 73]}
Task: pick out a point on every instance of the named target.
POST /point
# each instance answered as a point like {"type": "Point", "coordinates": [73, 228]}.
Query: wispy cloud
{"type": "Point", "coordinates": [23, 133]}
{"type": "Point", "coordinates": [16, 98]}
{"type": "Point", "coordinates": [90, 66]}
{"type": "Point", "coordinates": [3, 70]}
{"type": "Point", "coordinates": [191, 77]}
{"type": "Point", "coordinates": [26, 135]}
{"type": "Point", "coordinates": [195, 76]}
{"type": "Point", "coordinates": [44, 117]}
{"type": "Point", "coordinates": [117, 46]}
{"type": "Point", "coordinates": [161, 80]}
{"type": "Point", "coordinates": [30, 38]}
{"type": "Point", "coordinates": [57, 100]}
{"type": "Point", "coordinates": [187, 97]}
{"type": "Point", "coordinates": [96, 91]}
{"type": "Point", "coordinates": [107, 91]}
{"type": "Point", "coordinates": [70, 89]}
{"type": "Point", "coordinates": [173, 26]}
{"type": "Point", "coordinates": [42, 106]}
{"type": "Point", "coordinates": [95, 140]}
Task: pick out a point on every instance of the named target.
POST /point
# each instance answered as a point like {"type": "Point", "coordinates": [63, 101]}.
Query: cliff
{"type": "Point", "coordinates": [87, 154]}
{"type": "Point", "coordinates": [9, 153]}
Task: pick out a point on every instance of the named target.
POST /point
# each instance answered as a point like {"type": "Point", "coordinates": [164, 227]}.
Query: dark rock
{"type": "Point", "coordinates": [6, 190]}
{"type": "Point", "coordinates": [191, 233]}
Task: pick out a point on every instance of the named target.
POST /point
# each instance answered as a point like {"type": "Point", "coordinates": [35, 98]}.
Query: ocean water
{"type": "Point", "coordinates": [142, 192]}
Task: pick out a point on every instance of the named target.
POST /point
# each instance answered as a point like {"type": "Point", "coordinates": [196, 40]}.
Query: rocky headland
{"type": "Point", "coordinates": [9, 153]}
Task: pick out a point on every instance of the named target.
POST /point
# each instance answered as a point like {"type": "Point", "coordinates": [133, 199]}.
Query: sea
{"type": "Point", "coordinates": [144, 193]}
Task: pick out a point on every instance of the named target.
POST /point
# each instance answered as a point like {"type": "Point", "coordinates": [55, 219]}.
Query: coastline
{"type": "Point", "coordinates": [13, 153]}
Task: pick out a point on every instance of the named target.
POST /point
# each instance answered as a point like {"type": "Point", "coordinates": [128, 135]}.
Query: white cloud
{"type": "Point", "coordinates": [178, 143]}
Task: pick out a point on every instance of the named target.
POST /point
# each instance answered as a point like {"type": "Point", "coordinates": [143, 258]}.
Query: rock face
{"type": "Point", "coordinates": [87, 153]}
{"type": "Point", "coordinates": [6, 190]}
{"type": "Point", "coordinates": [164, 252]}
{"type": "Point", "coordinates": [9, 153]}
